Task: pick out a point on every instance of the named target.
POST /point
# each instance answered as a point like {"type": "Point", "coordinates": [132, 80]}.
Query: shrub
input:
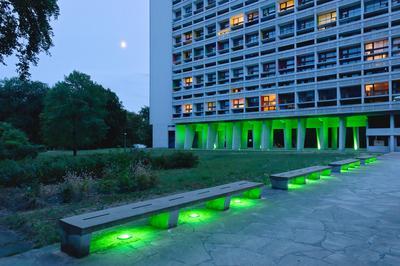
{"type": "Point", "coordinates": [176, 160]}
{"type": "Point", "coordinates": [143, 176]}
{"type": "Point", "coordinates": [13, 173]}
{"type": "Point", "coordinates": [76, 187]}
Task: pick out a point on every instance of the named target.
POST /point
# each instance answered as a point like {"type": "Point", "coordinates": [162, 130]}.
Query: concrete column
{"type": "Point", "coordinates": [257, 136]}
{"type": "Point", "coordinates": [392, 144]}
{"type": "Point", "coordinates": [301, 133]}
{"type": "Point", "coordinates": [211, 137]}
{"type": "Point", "coordinates": [236, 135]}
{"type": "Point", "coordinates": [266, 135]}
{"type": "Point", "coordinates": [334, 138]}
{"type": "Point", "coordinates": [342, 133]}
{"type": "Point", "coordinates": [288, 136]}
{"type": "Point", "coordinates": [322, 135]}
{"type": "Point", "coordinates": [356, 138]}
{"type": "Point", "coordinates": [189, 136]}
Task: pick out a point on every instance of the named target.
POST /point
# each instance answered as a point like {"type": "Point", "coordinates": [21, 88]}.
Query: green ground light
{"type": "Point", "coordinates": [240, 202]}
{"type": "Point", "coordinates": [197, 216]}
{"type": "Point", "coordinates": [126, 237]}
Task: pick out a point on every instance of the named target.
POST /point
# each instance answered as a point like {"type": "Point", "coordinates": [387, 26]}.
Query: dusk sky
{"type": "Point", "coordinates": [88, 36]}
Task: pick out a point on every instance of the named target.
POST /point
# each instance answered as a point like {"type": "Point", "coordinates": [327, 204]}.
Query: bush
{"type": "Point", "coordinates": [176, 160]}
{"type": "Point", "coordinates": [76, 187]}
{"type": "Point", "coordinates": [12, 173]}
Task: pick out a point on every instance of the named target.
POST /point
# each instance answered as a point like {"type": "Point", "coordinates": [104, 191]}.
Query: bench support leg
{"type": "Point", "coordinates": [336, 169]}
{"type": "Point", "coordinates": [280, 184]}
{"type": "Point", "coordinates": [165, 220]}
{"type": "Point", "coordinates": [221, 204]}
{"type": "Point", "coordinates": [75, 245]}
{"type": "Point", "coordinates": [253, 193]}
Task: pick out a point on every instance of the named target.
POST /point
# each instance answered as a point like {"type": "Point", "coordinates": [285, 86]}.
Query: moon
{"type": "Point", "coordinates": [123, 44]}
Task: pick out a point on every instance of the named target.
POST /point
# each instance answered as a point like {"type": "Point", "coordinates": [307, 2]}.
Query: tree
{"type": "Point", "coordinates": [25, 30]}
{"type": "Point", "coordinates": [116, 120]}
{"type": "Point", "coordinates": [74, 113]}
{"type": "Point", "coordinates": [21, 103]}
{"type": "Point", "coordinates": [145, 131]}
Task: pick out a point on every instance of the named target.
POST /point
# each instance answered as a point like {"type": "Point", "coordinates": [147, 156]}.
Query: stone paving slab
{"type": "Point", "coordinates": [348, 219]}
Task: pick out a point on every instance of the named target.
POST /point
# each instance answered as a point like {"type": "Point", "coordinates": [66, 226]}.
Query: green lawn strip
{"type": "Point", "coordinates": [215, 168]}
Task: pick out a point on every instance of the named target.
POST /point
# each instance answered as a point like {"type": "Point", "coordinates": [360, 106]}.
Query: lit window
{"type": "Point", "coordinates": [237, 20]}
{"type": "Point", "coordinates": [376, 50]}
{"type": "Point", "coordinates": [286, 5]}
{"type": "Point", "coordinates": [238, 103]}
{"type": "Point", "coordinates": [253, 16]}
{"type": "Point", "coordinates": [268, 102]}
{"type": "Point", "coordinates": [326, 18]}
{"type": "Point", "coordinates": [188, 81]}
{"type": "Point", "coordinates": [236, 90]}
{"type": "Point", "coordinates": [188, 108]}
{"type": "Point", "coordinates": [377, 89]}
{"type": "Point", "coordinates": [188, 36]}
{"type": "Point", "coordinates": [211, 106]}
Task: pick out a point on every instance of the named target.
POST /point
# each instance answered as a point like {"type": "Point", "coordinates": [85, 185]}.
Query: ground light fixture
{"type": "Point", "coordinates": [194, 215]}
{"type": "Point", "coordinates": [124, 237]}
{"type": "Point", "coordinates": [237, 201]}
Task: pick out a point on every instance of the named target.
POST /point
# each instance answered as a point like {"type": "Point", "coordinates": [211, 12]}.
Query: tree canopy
{"type": "Point", "coordinates": [25, 30]}
{"type": "Point", "coordinates": [21, 103]}
{"type": "Point", "coordinates": [74, 113]}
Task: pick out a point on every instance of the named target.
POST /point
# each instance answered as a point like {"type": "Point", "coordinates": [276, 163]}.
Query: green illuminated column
{"type": "Point", "coordinates": [322, 135]}
{"type": "Point", "coordinates": [334, 137]}
{"type": "Point", "coordinates": [356, 138]}
{"type": "Point", "coordinates": [288, 135]}
{"type": "Point", "coordinates": [229, 132]}
{"type": "Point", "coordinates": [189, 136]}
{"type": "Point", "coordinates": [180, 137]}
{"type": "Point", "coordinates": [301, 133]}
{"type": "Point", "coordinates": [266, 135]}
{"type": "Point", "coordinates": [342, 133]}
{"type": "Point", "coordinates": [211, 136]}
{"type": "Point", "coordinates": [257, 135]}
{"type": "Point", "coordinates": [236, 135]}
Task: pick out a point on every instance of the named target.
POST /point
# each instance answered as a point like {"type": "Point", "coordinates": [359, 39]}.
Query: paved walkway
{"type": "Point", "coordinates": [349, 219]}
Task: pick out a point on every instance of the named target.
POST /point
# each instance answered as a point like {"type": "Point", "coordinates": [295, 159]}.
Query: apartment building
{"type": "Point", "coordinates": [267, 74]}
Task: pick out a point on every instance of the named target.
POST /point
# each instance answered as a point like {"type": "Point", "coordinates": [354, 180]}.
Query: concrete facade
{"type": "Point", "coordinates": [253, 63]}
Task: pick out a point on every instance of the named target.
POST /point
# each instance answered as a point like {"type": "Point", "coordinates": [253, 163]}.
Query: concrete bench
{"type": "Point", "coordinates": [344, 165]}
{"type": "Point", "coordinates": [366, 159]}
{"type": "Point", "coordinates": [163, 212]}
{"type": "Point", "coordinates": [282, 180]}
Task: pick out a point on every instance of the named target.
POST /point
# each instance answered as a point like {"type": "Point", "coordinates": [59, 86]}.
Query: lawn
{"type": "Point", "coordinates": [215, 167]}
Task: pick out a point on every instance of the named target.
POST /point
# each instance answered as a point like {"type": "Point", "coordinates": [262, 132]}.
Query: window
{"type": "Point", "coordinates": [268, 34]}
{"type": "Point", "coordinates": [327, 20]}
{"type": "Point", "coordinates": [252, 17]}
{"type": "Point", "coordinates": [237, 72]}
{"type": "Point", "coordinates": [188, 81]}
{"type": "Point", "coordinates": [376, 50]}
{"type": "Point", "coordinates": [211, 106]}
{"type": "Point", "coordinates": [238, 103]}
{"type": "Point", "coordinates": [395, 46]}
{"type": "Point", "coordinates": [377, 89]}
{"type": "Point", "coordinates": [268, 11]}
{"type": "Point", "coordinates": [237, 20]}
{"type": "Point", "coordinates": [188, 108]}
{"type": "Point", "coordinates": [268, 102]}
{"type": "Point", "coordinates": [286, 101]}
{"type": "Point", "coordinates": [286, 65]}
{"type": "Point", "coordinates": [269, 68]}
{"type": "Point", "coordinates": [286, 5]}
{"type": "Point", "coordinates": [348, 12]}
{"type": "Point", "coordinates": [326, 59]}
{"type": "Point", "coordinates": [252, 70]}
{"type": "Point", "coordinates": [307, 23]}
{"type": "Point", "coordinates": [305, 62]}
{"type": "Point", "coordinates": [374, 5]}
{"type": "Point", "coordinates": [252, 102]}
{"type": "Point", "coordinates": [350, 54]}
{"type": "Point", "coordinates": [252, 39]}
{"type": "Point", "coordinates": [287, 29]}
{"type": "Point", "coordinates": [236, 90]}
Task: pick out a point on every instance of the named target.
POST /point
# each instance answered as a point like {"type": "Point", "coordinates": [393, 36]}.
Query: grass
{"type": "Point", "coordinates": [215, 168]}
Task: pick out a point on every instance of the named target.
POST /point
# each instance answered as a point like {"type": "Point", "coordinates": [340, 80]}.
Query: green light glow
{"type": "Point", "coordinates": [313, 176]}
{"type": "Point", "coordinates": [253, 193]}
{"type": "Point", "coordinates": [301, 180]}
{"type": "Point", "coordinates": [117, 238]}
{"type": "Point", "coordinates": [160, 220]}
{"type": "Point", "coordinates": [217, 204]}
{"type": "Point", "coordinates": [326, 172]}
{"type": "Point", "coordinates": [197, 216]}
{"type": "Point", "coordinates": [240, 202]}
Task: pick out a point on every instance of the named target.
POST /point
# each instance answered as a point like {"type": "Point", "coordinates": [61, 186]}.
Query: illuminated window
{"type": "Point", "coordinates": [253, 16]}
{"type": "Point", "coordinates": [237, 20]}
{"type": "Point", "coordinates": [211, 106]}
{"type": "Point", "coordinates": [188, 108]}
{"type": "Point", "coordinates": [188, 81]}
{"type": "Point", "coordinates": [238, 103]}
{"type": "Point", "coordinates": [376, 50]}
{"type": "Point", "coordinates": [188, 36]}
{"type": "Point", "coordinates": [377, 89]}
{"type": "Point", "coordinates": [268, 102]}
{"type": "Point", "coordinates": [236, 90]}
{"type": "Point", "coordinates": [286, 5]}
{"type": "Point", "coordinates": [326, 20]}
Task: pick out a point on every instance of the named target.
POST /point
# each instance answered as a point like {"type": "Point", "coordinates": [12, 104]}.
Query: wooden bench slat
{"type": "Point", "coordinates": [344, 162]}
{"type": "Point", "coordinates": [300, 172]}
